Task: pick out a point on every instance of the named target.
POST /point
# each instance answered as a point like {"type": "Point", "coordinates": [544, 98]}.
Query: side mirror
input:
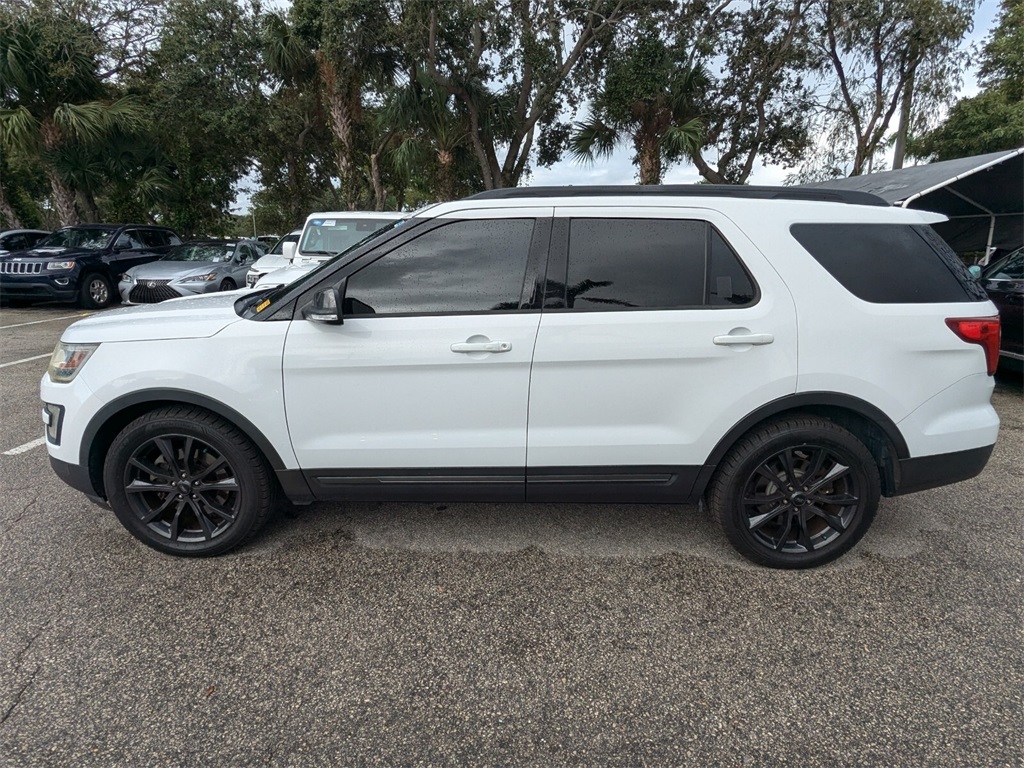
{"type": "Point", "coordinates": [326, 306]}
{"type": "Point", "coordinates": [288, 250]}
{"type": "Point", "coordinates": [975, 271]}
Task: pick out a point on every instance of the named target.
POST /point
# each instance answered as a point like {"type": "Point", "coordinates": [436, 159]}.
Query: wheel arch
{"type": "Point", "coordinates": [866, 422]}
{"type": "Point", "coordinates": [116, 415]}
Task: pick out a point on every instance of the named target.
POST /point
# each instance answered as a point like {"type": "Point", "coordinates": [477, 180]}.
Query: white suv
{"type": "Point", "coordinates": [787, 354]}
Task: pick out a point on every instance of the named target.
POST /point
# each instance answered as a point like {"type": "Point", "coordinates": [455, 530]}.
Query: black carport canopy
{"type": "Point", "coordinates": [983, 196]}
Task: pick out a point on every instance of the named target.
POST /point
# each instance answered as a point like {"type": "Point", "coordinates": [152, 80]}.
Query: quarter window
{"type": "Point", "coordinates": [465, 266]}
{"type": "Point", "coordinates": [652, 264]}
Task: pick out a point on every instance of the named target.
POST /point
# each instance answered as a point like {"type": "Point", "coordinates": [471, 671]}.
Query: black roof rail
{"type": "Point", "coordinates": [851, 197]}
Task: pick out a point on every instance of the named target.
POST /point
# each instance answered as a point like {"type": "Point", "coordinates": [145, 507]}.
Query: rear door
{"type": "Point", "coordinates": [662, 328]}
{"type": "Point", "coordinates": [423, 391]}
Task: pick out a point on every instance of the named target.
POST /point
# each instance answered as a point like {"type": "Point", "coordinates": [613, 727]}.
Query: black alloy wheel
{"type": "Point", "coordinates": [796, 493]}
{"type": "Point", "coordinates": [228, 284]}
{"type": "Point", "coordinates": [186, 482]}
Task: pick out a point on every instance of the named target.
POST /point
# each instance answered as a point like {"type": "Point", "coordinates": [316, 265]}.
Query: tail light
{"type": "Point", "coordinates": [979, 330]}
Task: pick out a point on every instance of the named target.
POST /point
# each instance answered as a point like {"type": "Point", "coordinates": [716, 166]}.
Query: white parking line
{"type": "Point", "coordinates": [50, 320]}
{"type": "Point", "coordinates": [25, 360]}
{"type": "Point", "coordinates": [25, 447]}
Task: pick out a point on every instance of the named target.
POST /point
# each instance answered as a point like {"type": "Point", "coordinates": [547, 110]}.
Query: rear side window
{"type": "Point", "coordinates": [889, 263]}
{"type": "Point", "coordinates": [152, 238]}
{"type": "Point", "coordinates": [652, 264]}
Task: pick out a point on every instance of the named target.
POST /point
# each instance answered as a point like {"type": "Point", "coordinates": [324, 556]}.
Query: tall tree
{"type": "Point", "coordinates": [756, 105]}
{"type": "Point", "coordinates": [877, 53]}
{"type": "Point", "coordinates": [507, 63]}
{"type": "Point", "coordinates": [204, 95]}
{"type": "Point", "coordinates": [650, 98]}
{"type": "Point", "coordinates": [355, 54]}
{"type": "Point", "coordinates": [51, 95]}
{"type": "Point", "coordinates": [993, 120]}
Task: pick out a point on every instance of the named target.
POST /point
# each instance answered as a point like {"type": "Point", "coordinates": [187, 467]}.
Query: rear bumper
{"type": "Point", "coordinates": [926, 472]}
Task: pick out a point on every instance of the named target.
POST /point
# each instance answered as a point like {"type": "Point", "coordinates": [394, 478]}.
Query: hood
{"type": "Point", "coordinates": [270, 261]}
{"type": "Point", "coordinates": [283, 276]}
{"type": "Point", "coordinates": [194, 317]}
{"type": "Point", "coordinates": [52, 252]}
{"type": "Point", "coordinates": [163, 270]}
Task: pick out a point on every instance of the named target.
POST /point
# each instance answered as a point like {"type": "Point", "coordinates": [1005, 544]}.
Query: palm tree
{"type": "Point", "coordinates": [650, 99]}
{"type": "Point", "coordinates": [51, 95]}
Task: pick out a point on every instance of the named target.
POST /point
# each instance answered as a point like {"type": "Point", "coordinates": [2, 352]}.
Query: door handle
{"type": "Point", "coordinates": [482, 346]}
{"type": "Point", "coordinates": [744, 338]}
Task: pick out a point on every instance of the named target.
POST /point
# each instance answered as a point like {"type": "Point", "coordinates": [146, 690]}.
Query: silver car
{"type": "Point", "coordinates": [192, 268]}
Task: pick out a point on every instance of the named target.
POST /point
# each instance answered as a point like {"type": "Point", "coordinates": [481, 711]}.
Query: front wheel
{"type": "Point", "coordinates": [228, 284]}
{"type": "Point", "coordinates": [185, 482]}
{"type": "Point", "coordinates": [796, 493]}
{"type": "Point", "coordinates": [95, 292]}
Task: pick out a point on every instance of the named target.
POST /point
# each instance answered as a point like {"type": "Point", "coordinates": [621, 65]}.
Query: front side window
{"type": "Point", "coordinates": [652, 264]}
{"type": "Point", "coordinates": [461, 267]}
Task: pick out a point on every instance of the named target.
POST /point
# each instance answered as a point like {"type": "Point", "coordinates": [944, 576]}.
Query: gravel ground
{"type": "Point", "coordinates": [416, 634]}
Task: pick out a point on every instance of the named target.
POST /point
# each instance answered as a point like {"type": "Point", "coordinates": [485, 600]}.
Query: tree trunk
{"type": "Point", "coordinates": [87, 205]}
{"type": "Point", "coordinates": [378, 184]}
{"type": "Point", "coordinates": [649, 158]}
{"type": "Point", "coordinates": [445, 175]}
{"type": "Point", "coordinates": [8, 218]}
{"type": "Point", "coordinates": [63, 200]}
{"type": "Point", "coordinates": [900, 150]}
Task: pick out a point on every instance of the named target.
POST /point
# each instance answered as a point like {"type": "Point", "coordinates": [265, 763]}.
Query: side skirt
{"type": "Point", "coordinates": [602, 485]}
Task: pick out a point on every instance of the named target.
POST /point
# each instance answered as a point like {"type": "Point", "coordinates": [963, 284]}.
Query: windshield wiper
{"type": "Point", "coordinates": [319, 253]}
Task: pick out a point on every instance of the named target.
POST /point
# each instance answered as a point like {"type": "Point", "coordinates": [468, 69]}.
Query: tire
{"type": "Point", "coordinates": [228, 284]}
{"type": "Point", "coordinates": [95, 292]}
{"type": "Point", "coordinates": [796, 493]}
{"type": "Point", "coordinates": [186, 482]}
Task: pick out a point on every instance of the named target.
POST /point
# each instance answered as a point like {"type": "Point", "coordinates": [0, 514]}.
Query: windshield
{"type": "Point", "coordinates": [214, 252]}
{"type": "Point", "coordinates": [278, 249]}
{"type": "Point", "coordinates": [87, 238]}
{"type": "Point", "coordinates": [337, 234]}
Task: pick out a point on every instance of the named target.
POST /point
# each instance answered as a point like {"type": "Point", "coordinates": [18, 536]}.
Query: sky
{"type": "Point", "coordinates": [618, 169]}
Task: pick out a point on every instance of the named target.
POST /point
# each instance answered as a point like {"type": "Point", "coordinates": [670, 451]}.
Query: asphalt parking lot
{"type": "Point", "coordinates": [415, 634]}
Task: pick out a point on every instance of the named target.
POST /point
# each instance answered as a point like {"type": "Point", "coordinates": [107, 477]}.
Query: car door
{"type": "Point", "coordinates": [129, 251]}
{"type": "Point", "coordinates": [422, 392]}
{"type": "Point", "coordinates": [662, 328]}
{"type": "Point", "coordinates": [244, 258]}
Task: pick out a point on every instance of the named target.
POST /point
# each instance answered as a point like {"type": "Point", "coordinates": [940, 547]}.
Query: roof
{"type": "Point", "coordinates": [978, 194]}
{"type": "Point", "coordinates": [854, 197]}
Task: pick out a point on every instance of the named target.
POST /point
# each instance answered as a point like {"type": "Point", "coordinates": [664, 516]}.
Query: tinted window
{"type": "Point", "coordinates": [652, 264]}
{"type": "Point", "coordinates": [152, 238]}
{"type": "Point", "coordinates": [129, 240]}
{"type": "Point", "coordinates": [465, 266]}
{"type": "Point", "coordinates": [14, 242]}
{"type": "Point", "coordinates": [729, 284]}
{"type": "Point", "coordinates": [1008, 268]}
{"type": "Point", "coordinates": [888, 263]}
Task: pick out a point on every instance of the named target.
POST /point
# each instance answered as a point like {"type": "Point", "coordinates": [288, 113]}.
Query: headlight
{"type": "Point", "coordinates": [200, 278]}
{"type": "Point", "coordinates": [126, 278]}
{"type": "Point", "coordinates": [67, 360]}
{"type": "Point", "coordinates": [61, 265]}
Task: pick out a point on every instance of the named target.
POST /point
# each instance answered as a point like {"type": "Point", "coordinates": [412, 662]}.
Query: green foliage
{"type": "Point", "coordinates": [994, 119]}
{"type": "Point", "coordinates": [204, 98]}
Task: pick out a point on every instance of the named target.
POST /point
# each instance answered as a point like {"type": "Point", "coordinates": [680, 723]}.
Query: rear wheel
{"type": "Point", "coordinates": [185, 482]}
{"type": "Point", "coordinates": [95, 292]}
{"type": "Point", "coordinates": [796, 493]}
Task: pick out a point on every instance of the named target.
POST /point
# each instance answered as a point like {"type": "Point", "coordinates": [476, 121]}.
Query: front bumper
{"type": "Point", "coordinates": [58, 287]}
{"type": "Point", "coordinates": [78, 478]}
{"type": "Point", "coordinates": [155, 291]}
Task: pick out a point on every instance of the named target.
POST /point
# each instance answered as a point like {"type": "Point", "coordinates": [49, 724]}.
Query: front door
{"type": "Point", "coordinates": [422, 392]}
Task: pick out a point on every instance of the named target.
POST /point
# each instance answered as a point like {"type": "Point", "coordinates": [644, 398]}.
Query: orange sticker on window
{"type": "Point", "coordinates": [263, 305]}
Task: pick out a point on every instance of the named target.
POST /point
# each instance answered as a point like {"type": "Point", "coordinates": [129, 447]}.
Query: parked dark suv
{"type": "Point", "coordinates": [1004, 282]}
{"type": "Point", "coordinates": [82, 263]}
